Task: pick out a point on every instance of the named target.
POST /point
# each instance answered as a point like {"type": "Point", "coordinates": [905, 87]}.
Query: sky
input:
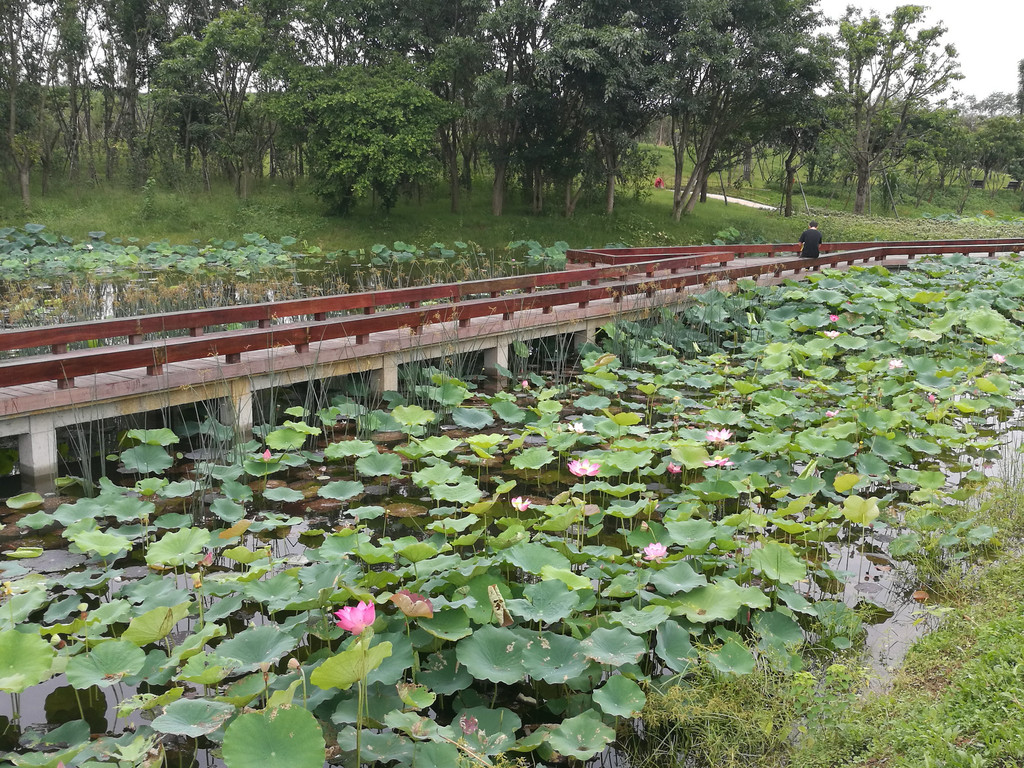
{"type": "Point", "coordinates": [986, 34]}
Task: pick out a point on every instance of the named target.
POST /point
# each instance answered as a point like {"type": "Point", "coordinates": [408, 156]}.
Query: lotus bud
{"type": "Point", "coordinates": [197, 580]}
{"type": "Point", "coordinates": [293, 664]}
{"type": "Point", "coordinates": [56, 640]}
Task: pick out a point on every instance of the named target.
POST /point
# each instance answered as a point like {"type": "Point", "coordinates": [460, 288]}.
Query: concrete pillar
{"type": "Point", "coordinates": [385, 378]}
{"type": "Point", "coordinates": [493, 358]}
{"type": "Point", "coordinates": [37, 455]}
{"type": "Point", "coordinates": [236, 409]}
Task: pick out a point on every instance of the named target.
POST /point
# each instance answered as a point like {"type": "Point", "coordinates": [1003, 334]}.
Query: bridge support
{"type": "Point", "coordinates": [495, 357]}
{"type": "Point", "coordinates": [236, 408]}
{"type": "Point", "coordinates": [385, 378]}
{"type": "Point", "coordinates": [37, 455]}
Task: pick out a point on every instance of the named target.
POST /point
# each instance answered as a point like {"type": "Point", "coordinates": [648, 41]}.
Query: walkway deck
{"type": "Point", "coordinates": [139, 368]}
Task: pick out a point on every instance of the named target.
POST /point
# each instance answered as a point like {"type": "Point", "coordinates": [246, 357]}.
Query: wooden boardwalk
{"type": "Point", "coordinates": [153, 362]}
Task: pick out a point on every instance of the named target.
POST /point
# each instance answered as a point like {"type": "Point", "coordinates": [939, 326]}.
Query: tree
{"type": "Point", "coordinates": [732, 70]}
{"type": "Point", "coordinates": [887, 69]}
{"type": "Point", "coordinates": [368, 130]}
{"type": "Point", "coordinates": [1000, 144]}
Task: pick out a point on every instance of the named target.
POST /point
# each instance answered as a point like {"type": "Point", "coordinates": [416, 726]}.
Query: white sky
{"type": "Point", "coordinates": [986, 33]}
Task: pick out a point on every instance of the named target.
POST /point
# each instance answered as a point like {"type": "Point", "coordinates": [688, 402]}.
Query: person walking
{"type": "Point", "coordinates": [810, 241]}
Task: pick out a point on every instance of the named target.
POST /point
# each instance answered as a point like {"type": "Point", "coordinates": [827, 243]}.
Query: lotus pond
{"type": "Point", "coordinates": [463, 578]}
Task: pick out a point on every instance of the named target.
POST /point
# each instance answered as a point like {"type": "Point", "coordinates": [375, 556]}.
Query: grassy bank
{"type": "Point", "coordinates": [184, 216]}
{"type": "Point", "coordinates": [958, 698]}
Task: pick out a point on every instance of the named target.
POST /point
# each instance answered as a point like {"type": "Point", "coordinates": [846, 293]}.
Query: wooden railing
{"type": "Point", "coordinates": [630, 255]}
{"type": "Point", "coordinates": [391, 310]}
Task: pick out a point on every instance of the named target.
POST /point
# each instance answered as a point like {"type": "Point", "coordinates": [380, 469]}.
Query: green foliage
{"type": "Point", "coordinates": [368, 130]}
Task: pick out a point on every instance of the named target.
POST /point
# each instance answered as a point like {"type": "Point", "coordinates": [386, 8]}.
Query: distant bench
{"type": "Point", "coordinates": [1014, 185]}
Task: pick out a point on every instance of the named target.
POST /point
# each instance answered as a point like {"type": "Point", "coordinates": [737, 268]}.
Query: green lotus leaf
{"type": "Point", "coordinates": [720, 601]}
{"type": "Point", "coordinates": [509, 412]}
{"type": "Point", "coordinates": [227, 510]}
{"type": "Point", "coordinates": [25, 500]}
{"type": "Point", "coordinates": [494, 732]}
{"type": "Point", "coordinates": [349, 448]}
{"type": "Point", "coordinates": [582, 736]}
{"type": "Point", "coordinates": [178, 547]}
{"type": "Point", "coordinates": [341, 490]}
{"type": "Point", "coordinates": [412, 415]}
{"type": "Point", "coordinates": [733, 659]}
{"type": "Point", "coordinates": [146, 458]}
{"type": "Point", "coordinates": [495, 654]}
{"type": "Point", "coordinates": [778, 563]}
{"type": "Point", "coordinates": [679, 577]}
{"type": "Point", "coordinates": [257, 645]}
{"type": "Point", "coordinates": [106, 664]}
{"type": "Point", "coordinates": [694, 536]}
{"type": "Point", "coordinates": [533, 458]}
{"type": "Point", "coordinates": [283, 494]}
{"type": "Point", "coordinates": [616, 646]}
{"type": "Point", "coordinates": [25, 660]}
{"type": "Point", "coordinates": [155, 624]}
{"type": "Point", "coordinates": [554, 658]}
{"type": "Point", "coordinates": [570, 579]}
{"type": "Point", "coordinates": [464, 492]}
{"type": "Point", "coordinates": [639, 620]}
{"type": "Point", "coordinates": [24, 553]}
{"type": "Point", "coordinates": [545, 602]}
{"type": "Point", "coordinates": [285, 737]}
{"type": "Point", "coordinates": [531, 557]}
{"type": "Point", "coordinates": [345, 669]}
{"type": "Point", "coordinates": [778, 627]}
{"type": "Point", "coordinates": [987, 323]}
{"type": "Point", "coordinates": [620, 697]}
{"type": "Point", "coordinates": [441, 473]}
{"type": "Point", "coordinates": [439, 445]}
{"type": "Point", "coordinates": [593, 402]}
{"type": "Point", "coordinates": [161, 436]}
{"type": "Point", "coordinates": [286, 439]}
{"type": "Point", "coordinates": [380, 465]}
{"type": "Point", "coordinates": [442, 673]}
{"type": "Point", "coordinates": [193, 717]}
{"type": "Point", "coordinates": [843, 483]}
{"type": "Point", "coordinates": [674, 648]}
{"type": "Point", "coordinates": [472, 418]}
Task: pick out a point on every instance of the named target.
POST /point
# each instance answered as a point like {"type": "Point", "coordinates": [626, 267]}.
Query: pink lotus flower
{"type": "Point", "coordinates": [833, 318]}
{"type": "Point", "coordinates": [520, 504]}
{"type": "Point", "coordinates": [524, 384]}
{"type": "Point", "coordinates": [832, 334]}
{"type": "Point", "coordinates": [655, 551]}
{"type": "Point", "coordinates": [266, 455]}
{"type": "Point", "coordinates": [895, 363]}
{"type": "Point", "coordinates": [717, 435]}
{"type": "Point", "coordinates": [356, 618]}
{"type": "Point", "coordinates": [674, 469]}
{"type": "Point", "coordinates": [931, 397]}
{"type": "Point", "coordinates": [718, 461]}
{"type": "Point", "coordinates": [831, 414]}
{"type": "Point", "coordinates": [584, 467]}
{"type": "Point", "coordinates": [468, 724]}
{"type": "Point", "coordinates": [997, 358]}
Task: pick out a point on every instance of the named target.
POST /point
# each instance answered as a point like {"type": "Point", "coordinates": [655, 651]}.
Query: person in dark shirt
{"type": "Point", "coordinates": [809, 241]}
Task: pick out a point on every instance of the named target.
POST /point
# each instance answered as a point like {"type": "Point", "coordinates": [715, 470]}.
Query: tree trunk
{"type": "Point", "coordinates": [23, 180]}
{"type": "Point", "coordinates": [609, 193]}
{"type": "Point", "coordinates": [498, 190]}
{"type": "Point", "coordinates": [863, 169]}
{"type": "Point", "coordinates": [748, 161]}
